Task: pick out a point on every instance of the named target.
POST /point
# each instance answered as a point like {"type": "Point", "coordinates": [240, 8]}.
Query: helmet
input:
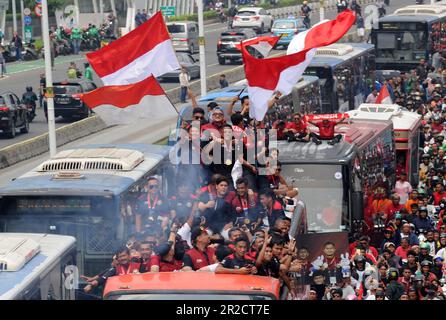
{"type": "Point", "coordinates": [426, 156]}
{"type": "Point", "coordinates": [29, 89]}
{"type": "Point", "coordinates": [392, 274]}
{"type": "Point", "coordinates": [336, 291]}
{"type": "Point", "coordinates": [425, 263]}
{"type": "Point", "coordinates": [422, 209]}
{"type": "Point", "coordinates": [359, 258]}
{"type": "Point", "coordinates": [425, 245]}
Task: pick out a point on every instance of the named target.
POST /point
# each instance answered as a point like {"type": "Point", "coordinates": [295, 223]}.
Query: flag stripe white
{"type": "Point", "coordinates": [150, 108]}
{"type": "Point", "coordinates": [160, 60]}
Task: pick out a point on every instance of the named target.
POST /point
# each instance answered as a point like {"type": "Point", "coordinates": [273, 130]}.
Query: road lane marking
{"type": "Point", "coordinates": [211, 65]}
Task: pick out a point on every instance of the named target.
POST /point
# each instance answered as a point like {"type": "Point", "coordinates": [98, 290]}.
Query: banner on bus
{"type": "Point", "coordinates": [329, 116]}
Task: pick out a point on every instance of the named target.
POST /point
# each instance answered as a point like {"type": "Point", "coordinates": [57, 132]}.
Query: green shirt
{"type": "Point", "coordinates": [88, 73]}
{"type": "Point", "coordinates": [76, 33]}
{"type": "Point", "coordinates": [93, 32]}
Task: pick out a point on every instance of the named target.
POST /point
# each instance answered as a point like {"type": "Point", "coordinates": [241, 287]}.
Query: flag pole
{"type": "Point", "coordinates": [202, 49]}
{"type": "Point", "coordinates": [49, 94]}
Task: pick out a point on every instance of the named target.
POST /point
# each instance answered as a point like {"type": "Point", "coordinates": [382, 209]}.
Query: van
{"type": "Point", "coordinates": [191, 285]}
{"type": "Point", "coordinates": [184, 35]}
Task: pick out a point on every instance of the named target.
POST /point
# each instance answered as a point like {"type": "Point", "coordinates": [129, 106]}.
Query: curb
{"type": "Point", "coordinates": [39, 144]}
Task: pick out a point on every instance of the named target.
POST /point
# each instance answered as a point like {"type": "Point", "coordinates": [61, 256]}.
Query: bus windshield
{"type": "Point", "coordinates": [401, 45]}
{"type": "Point", "coordinates": [321, 187]}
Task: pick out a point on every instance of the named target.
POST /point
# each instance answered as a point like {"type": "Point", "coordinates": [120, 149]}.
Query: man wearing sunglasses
{"type": "Point", "coordinates": [297, 129]}
{"type": "Point", "coordinates": [216, 125]}
{"type": "Point", "coordinates": [153, 206]}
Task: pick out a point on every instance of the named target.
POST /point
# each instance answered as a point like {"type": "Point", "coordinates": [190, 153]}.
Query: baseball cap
{"type": "Point", "coordinates": [388, 244]}
{"type": "Point", "coordinates": [211, 105]}
{"type": "Point", "coordinates": [196, 232]}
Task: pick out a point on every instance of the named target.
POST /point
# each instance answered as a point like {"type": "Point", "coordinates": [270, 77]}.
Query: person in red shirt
{"type": "Point", "coordinates": [297, 130]}
{"type": "Point", "coordinates": [402, 250]}
{"type": "Point", "coordinates": [439, 193]}
{"type": "Point", "coordinates": [326, 131]}
{"type": "Point", "coordinates": [280, 127]}
{"type": "Point", "coordinates": [393, 208]}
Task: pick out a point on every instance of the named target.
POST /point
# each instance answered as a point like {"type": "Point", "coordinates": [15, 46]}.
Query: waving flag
{"type": "Point", "coordinates": [265, 76]}
{"type": "Point", "coordinates": [121, 104]}
{"type": "Point", "coordinates": [384, 96]}
{"type": "Point", "coordinates": [145, 51]}
{"type": "Point", "coordinates": [262, 44]}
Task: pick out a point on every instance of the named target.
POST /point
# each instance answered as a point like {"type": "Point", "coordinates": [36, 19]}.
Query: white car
{"type": "Point", "coordinates": [253, 17]}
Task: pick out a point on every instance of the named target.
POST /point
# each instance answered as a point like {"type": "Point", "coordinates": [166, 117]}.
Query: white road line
{"type": "Point", "coordinates": [211, 65]}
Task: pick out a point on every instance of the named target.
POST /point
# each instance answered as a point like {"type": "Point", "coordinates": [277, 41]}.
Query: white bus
{"type": "Point", "coordinates": [33, 267]}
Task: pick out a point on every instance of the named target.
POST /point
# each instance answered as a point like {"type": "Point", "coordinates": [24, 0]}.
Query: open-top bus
{"type": "Point", "coordinates": [408, 35]}
{"type": "Point", "coordinates": [84, 192]}
{"type": "Point", "coordinates": [337, 178]}
{"type": "Point", "coordinates": [345, 72]}
{"type": "Point", "coordinates": [34, 267]}
{"type": "Point", "coordinates": [406, 127]}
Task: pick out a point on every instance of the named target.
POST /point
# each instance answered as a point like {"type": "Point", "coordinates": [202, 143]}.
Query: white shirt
{"type": "Point", "coordinates": [184, 79]}
{"type": "Point", "coordinates": [441, 253]}
{"type": "Point", "coordinates": [371, 98]}
{"type": "Point", "coordinates": [403, 189]}
{"type": "Point", "coordinates": [185, 233]}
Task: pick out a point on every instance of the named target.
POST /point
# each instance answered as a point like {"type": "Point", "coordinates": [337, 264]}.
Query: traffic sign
{"type": "Point", "coordinates": [27, 20]}
{"type": "Point", "coordinates": [28, 33]}
{"type": "Point", "coordinates": [27, 11]}
{"type": "Point", "coordinates": [168, 11]}
{"type": "Point", "coordinates": [38, 10]}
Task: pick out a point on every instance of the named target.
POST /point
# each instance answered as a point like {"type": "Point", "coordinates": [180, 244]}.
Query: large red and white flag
{"type": "Point", "coordinates": [145, 51]}
{"type": "Point", "coordinates": [383, 96]}
{"type": "Point", "coordinates": [265, 76]}
{"type": "Point", "coordinates": [121, 104]}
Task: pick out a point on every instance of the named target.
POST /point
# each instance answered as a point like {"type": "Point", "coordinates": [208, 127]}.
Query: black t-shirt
{"type": "Point", "coordinates": [220, 214]}
{"type": "Point", "coordinates": [232, 262]}
{"type": "Point", "coordinates": [269, 269]}
{"type": "Point", "coordinates": [181, 206]}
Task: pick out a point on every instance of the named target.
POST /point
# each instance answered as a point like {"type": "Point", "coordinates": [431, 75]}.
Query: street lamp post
{"type": "Point", "coordinates": [14, 16]}
{"type": "Point", "coordinates": [202, 49]}
{"type": "Point", "coordinates": [49, 79]}
{"type": "Point", "coordinates": [321, 10]}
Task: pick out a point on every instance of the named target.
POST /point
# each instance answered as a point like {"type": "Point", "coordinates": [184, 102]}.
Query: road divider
{"type": "Point", "coordinates": [38, 145]}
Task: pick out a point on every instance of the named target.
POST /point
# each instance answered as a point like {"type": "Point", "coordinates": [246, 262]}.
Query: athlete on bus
{"type": "Point", "coordinates": [326, 131]}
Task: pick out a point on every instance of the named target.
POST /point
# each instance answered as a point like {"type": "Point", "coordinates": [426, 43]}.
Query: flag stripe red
{"type": "Point", "coordinates": [271, 40]}
{"type": "Point", "coordinates": [331, 31]}
{"type": "Point", "coordinates": [133, 45]}
{"type": "Point", "coordinates": [383, 94]}
{"type": "Point", "coordinates": [123, 96]}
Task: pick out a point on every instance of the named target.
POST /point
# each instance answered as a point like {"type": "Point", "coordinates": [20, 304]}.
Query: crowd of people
{"type": "Point", "coordinates": [240, 223]}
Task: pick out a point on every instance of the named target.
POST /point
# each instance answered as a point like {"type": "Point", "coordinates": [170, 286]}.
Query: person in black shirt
{"type": "Point", "coordinates": [272, 209]}
{"type": "Point", "coordinates": [267, 264]}
{"type": "Point", "coordinates": [239, 262]}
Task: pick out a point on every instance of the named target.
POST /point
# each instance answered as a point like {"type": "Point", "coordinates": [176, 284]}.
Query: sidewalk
{"type": "Point", "coordinates": [18, 67]}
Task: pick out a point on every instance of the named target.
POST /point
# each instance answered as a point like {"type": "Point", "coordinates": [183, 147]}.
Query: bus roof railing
{"type": "Point", "coordinates": [435, 10]}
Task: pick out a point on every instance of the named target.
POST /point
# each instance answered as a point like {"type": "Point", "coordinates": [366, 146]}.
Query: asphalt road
{"type": "Point", "coordinates": [21, 75]}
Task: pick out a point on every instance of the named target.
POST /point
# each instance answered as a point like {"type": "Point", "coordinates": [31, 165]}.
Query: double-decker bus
{"type": "Point", "coordinates": [408, 35]}
{"type": "Point", "coordinates": [406, 127]}
{"type": "Point", "coordinates": [338, 178]}
{"type": "Point", "coordinates": [37, 267]}
{"type": "Point", "coordinates": [85, 192]}
{"type": "Point", "coordinates": [345, 72]}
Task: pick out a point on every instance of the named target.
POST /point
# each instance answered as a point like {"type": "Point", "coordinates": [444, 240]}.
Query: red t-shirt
{"type": "Point", "coordinates": [326, 130]}
{"type": "Point", "coordinates": [300, 127]}
{"type": "Point", "coordinates": [400, 252]}
{"type": "Point", "coordinates": [438, 197]}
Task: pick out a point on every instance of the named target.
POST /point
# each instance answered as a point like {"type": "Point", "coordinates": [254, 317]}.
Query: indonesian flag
{"type": "Point", "coordinates": [262, 44]}
{"type": "Point", "coordinates": [265, 76]}
{"type": "Point", "coordinates": [383, 96]}
{"type": "Point", "coordinates": [123, 104]}
{"type": "Point", "coordinates": [145, 51]}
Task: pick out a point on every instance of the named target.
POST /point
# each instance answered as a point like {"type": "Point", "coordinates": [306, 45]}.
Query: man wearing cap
{"type": "Point", "coordinates": [422, 222]}
{"type": "Point", "coordinates": [407, 233]}
{"type": "Point", "coordinates": [438, 268]}
{"type": "Point", "coordinates": [201, 255]}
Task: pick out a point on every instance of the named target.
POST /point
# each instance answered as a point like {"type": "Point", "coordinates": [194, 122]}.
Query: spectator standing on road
{"type": "Point", "coordinates": [17, 41]}
{"type": "Point", "coordinates": [2, 62]}
{"type": "Point", "coordinates": [360, 26]}
{"type": "Point", "coordinates": [223, 82]}
{"type": "Point", "coordinates": [305, 13]}
{"type": "Point", "coordinates": [88, 74]}
{"type": "Point", "coordinates": [76, 37]}
{"type": "Point", "coordinates": [184, 84]}
{"type": "Point", "coordinates": [341, 5]}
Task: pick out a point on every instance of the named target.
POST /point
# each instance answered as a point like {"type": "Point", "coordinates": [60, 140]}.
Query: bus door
{"type": "Point", "coordinates": [345, 88]}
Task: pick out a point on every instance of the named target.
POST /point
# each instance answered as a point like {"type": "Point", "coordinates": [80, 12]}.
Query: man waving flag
{"type": "Point", "coordinates": [265, 76]}
{"type": "Point", "coordinates": [128, 67]}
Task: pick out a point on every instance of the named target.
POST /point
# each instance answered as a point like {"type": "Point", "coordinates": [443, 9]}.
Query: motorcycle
{"type": "Point", "coordinates": [222, 16]}
{"type": "Point", "coordinates": [30, 52]}
{"type": "Point", "coordinates": [31, 111]}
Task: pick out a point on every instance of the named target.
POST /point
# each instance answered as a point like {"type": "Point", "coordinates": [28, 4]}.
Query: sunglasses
{"type": "Point", "coordinates": [217, 114]}
{"type": "Point", "coordinates": [153, 186]}
{"type": "Point", "coordinates": [198, 117]}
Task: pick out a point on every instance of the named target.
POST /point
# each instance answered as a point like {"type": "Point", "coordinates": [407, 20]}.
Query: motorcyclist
{"type": "Point", "coordinates": [422, 222]}
{"type": "Point", "coordinates": [232, 12]}
{"type": "Point", "coordinates": [29, 97]}
{"type": "Point", "coordinates": [305, 13]}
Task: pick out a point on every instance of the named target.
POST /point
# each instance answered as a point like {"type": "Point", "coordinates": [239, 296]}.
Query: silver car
{"type": "Point", "coordinates": [189, 62]}
{"type": "Point", "coordinates": [184, 36]}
